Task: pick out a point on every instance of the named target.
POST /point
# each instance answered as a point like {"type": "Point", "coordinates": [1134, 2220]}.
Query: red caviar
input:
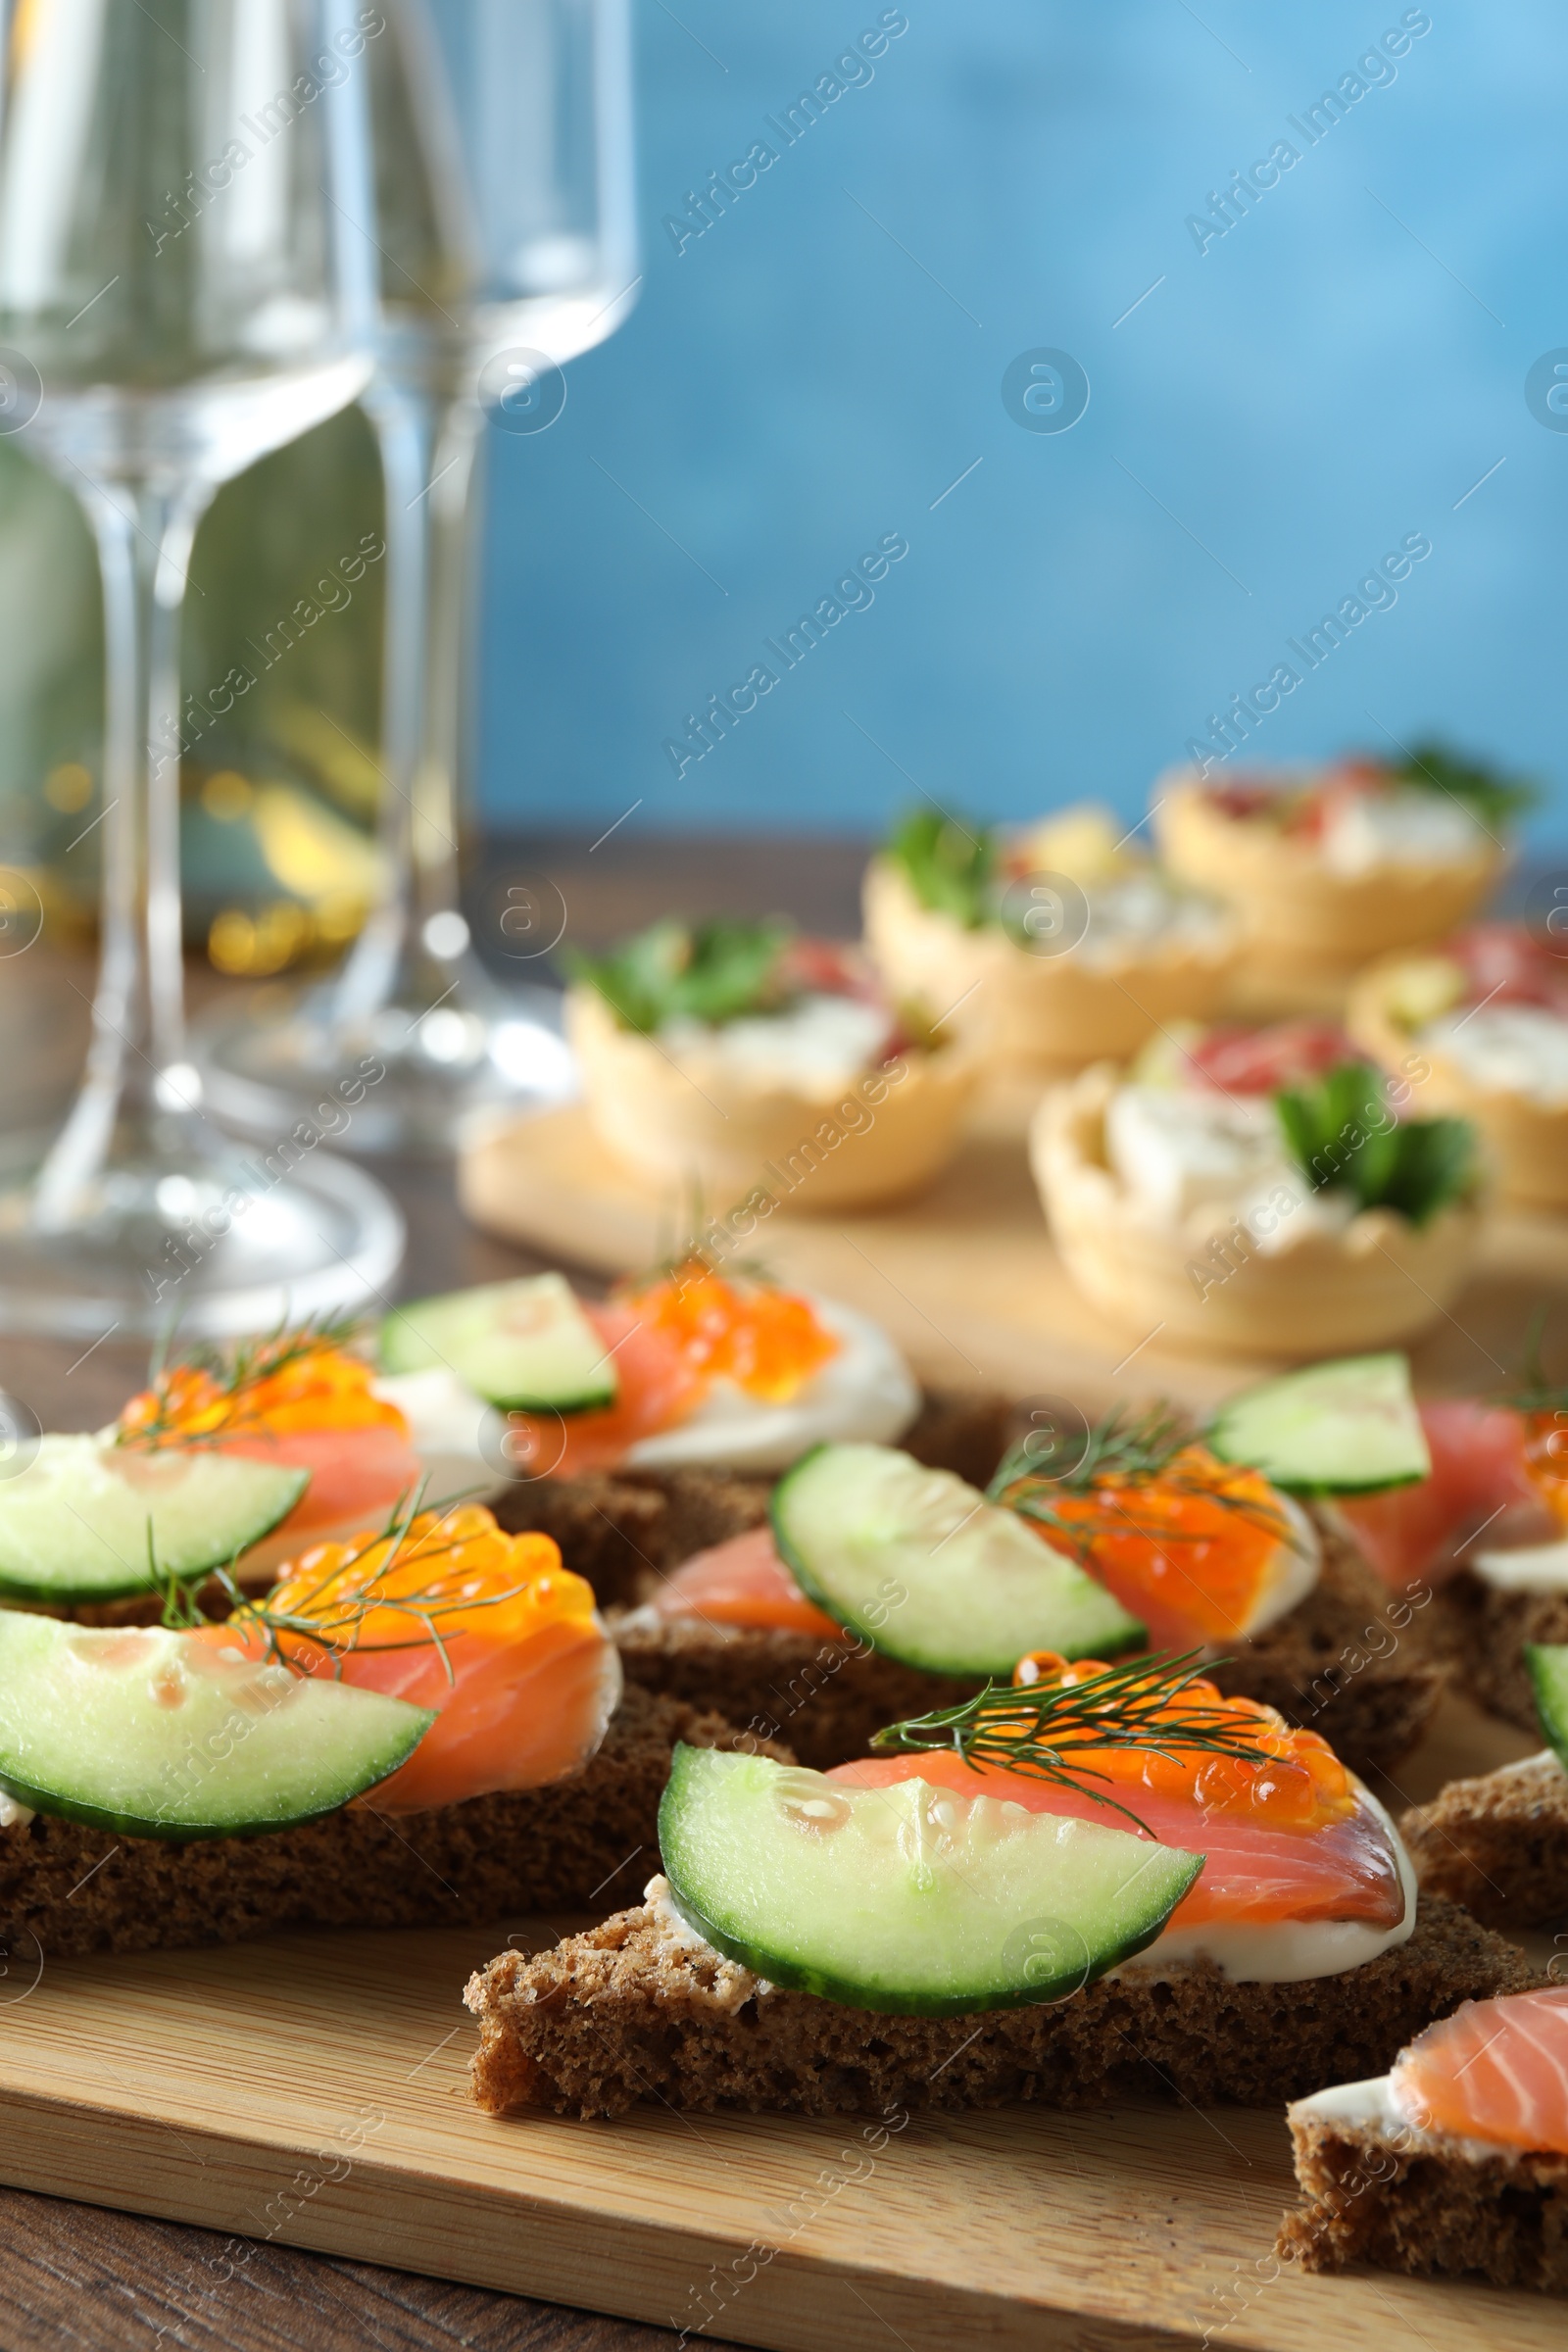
{"type": "Point", "coordinates": [1188, 1548]}
{"type": "Point", "coordinates": [293, 1387]}
{"type": "Point", "coordinates": [488, 1628]}
{"type": "Point", "coordinates": [670, 1338]}
{"type": "Point", "coordinates": [1292, 1782]}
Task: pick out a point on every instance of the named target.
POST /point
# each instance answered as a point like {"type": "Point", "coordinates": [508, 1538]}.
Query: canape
{"type": "Point", "coordinates": [1105, 1879]}
{"type": "Point", "coordinates": [1330, 867]}
{"type": "Point", "coordinates": [421, 1726]}
{"type": "Point", "coordinates": [235, 1458]}
{"type": "Point", "coordinates": [973, 924]}
{"type": "Point", "coordinates": [1487, 1016]}
{"type": "Point", "coordinates": [1454, 2161]}
{"type": "Point", "coordinates": [1498, 1843]}
{"type": "Point", "coordinates": [1256, 1192]}
{"type": "Point", "coordinates": [760, 1066]}
{"type": "Point", "coordinates": [881, 1585]}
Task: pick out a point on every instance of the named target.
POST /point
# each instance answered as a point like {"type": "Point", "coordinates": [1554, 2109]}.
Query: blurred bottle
{"type": "Point", "coordinates": [278, 728]}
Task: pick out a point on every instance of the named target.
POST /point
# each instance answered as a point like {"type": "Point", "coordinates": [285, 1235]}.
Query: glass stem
{"type": "Point", "coordinates": [137, 1080]}
{"type": "Point", "coordinates": [427, 464]}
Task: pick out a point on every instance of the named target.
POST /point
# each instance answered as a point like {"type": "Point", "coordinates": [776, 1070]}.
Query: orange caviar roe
{"type": "Point", "coordinates": [768, 1342]}
{"type": "Point", "coordinates": [1297, 1784]}
{"type": "Point", "coordinates": [1194, 1541]}
{"type": "Point", "coordinates": [292, 1388]}
{"type": "Point", "coordinates": [457, 1565]}
{"type": "Point", "coordinates": [1547, 1461]}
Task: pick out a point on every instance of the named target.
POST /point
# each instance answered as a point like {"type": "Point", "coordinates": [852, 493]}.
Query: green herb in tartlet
{"type": "Point", "coordinates": [713, 972]}
{"type": "Point", "coordinates": [950, 866]}
{"type": "Point", "coordinates": [1490, 796]}
{"type": "Point", "coordinates": [1341, 1134]}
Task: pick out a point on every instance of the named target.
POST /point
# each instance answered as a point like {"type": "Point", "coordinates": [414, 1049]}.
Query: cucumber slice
{"type": "Point", "coordinates": [163, 1735]}
{"type": "Point", "coordinates": [904, 1898]}
{"type": "Point", "coordinates": [1349, 1427]}
{"type": "Point", "coordinates": [1548, 1664]}
{"type": "Point", "coordinates": [923, 1568]}
{"type": "Point", "coordinates": [73, 1524]}
{"type": "Point", "coordinates": [526, 1346]}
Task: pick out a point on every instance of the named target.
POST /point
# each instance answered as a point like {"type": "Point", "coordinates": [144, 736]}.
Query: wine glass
{"type": "Point", "coordinates": [504, 244]}
{"type": "Point", "coordinates": [176, 297]}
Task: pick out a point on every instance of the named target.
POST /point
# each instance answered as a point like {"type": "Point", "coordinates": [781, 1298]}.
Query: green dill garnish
{"type": "Point", "coordinates": [950, 866]}
{"type": "Point", "coordinates": [1041, 1730]}
{"type": "Point", "coordinates": [1537, 1392]}
{"type": "Point", "coordinates": [1490, 795]}
{"type": "Point", "coordinates": [712, 972]}
{"type": "Point", "coordinates": [233, 1371]}
{"type": "Point", "coordinates": [1341, 1133]}
{"type": "Point", "coordinates": [1128, 1450]}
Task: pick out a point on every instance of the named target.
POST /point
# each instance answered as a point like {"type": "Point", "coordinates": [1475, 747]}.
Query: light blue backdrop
{"type": "Point", "coordinates": [1340, 369]}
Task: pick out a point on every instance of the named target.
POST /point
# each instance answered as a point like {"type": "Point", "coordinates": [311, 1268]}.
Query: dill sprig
{"type": "Point", "coordinates": [1039, 1730]}
{"type": "Point", "coordinates": [335, 1626]}
{"type": "Point", "coordinates": [1127, 1450]}
{"type": "Point", "coordinates": [233, 1372]}
{"type": "Point", "coordinates": [1538, 1391]}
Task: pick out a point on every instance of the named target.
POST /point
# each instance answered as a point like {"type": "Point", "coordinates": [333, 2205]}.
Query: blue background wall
{"type": "Point", "coordinates": [1335, 372]}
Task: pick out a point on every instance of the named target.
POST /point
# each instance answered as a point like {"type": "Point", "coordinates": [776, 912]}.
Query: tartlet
{"type": "Point", "coordinates": [1269, 1276]}
{"type": "Point", "coordinates": [1510, 993]}
{"type": "Point", "coordinates": [1122, 949]}
{"type": "Point", "coordinates": [1329, 868]}
{"type": "Point", "coordinates": [722, 1099]}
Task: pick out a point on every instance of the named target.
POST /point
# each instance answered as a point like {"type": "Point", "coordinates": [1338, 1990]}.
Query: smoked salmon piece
{"type": "Point", "coordinates": [1480, 1486]}
{"type": "Point", "coordinates": [486, 1628]}
{"type": "Point", "coordinates": [743, 1583]}
{"type": "Point", "coordinates": [1495, 2070]}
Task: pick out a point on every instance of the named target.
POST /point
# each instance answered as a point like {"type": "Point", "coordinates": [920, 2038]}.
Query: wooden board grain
{"type": "Point", "coordinates": [309, 2091]}
{"type": "Point", "coordinates": [964, 1277]}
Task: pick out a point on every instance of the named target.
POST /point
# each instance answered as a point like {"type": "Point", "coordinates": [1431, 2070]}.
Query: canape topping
{"type": "Point", "coordinates": [1495, 2070]}
{"type": "Point", "coordinates": [769, 1341]}
{"type": "Point", "coordinates": [292, 1381]}
{"type": "Point", "coordinates": [1162, 1521]}
{"type": "Point", "coordinates": [1148, 1724]}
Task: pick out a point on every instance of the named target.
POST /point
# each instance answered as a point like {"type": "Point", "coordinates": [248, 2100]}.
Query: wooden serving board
{"type": "Point", "coordinates": [964, 1278]}
{"type": "Point", "coordinates": [312, 2089]}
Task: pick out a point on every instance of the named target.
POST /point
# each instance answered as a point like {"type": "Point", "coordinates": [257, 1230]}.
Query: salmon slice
{"type": "Point", "coordinates": [1345, 1870]}
{"type": "Point", "coordinates": [523, 1677]}
{"type": "Point", "coordinates": [356, 1475]}
{"type": "Point", "coordinates": [743, 1583]}
{"type": "Point", "coordinates": [1480, 1481]}
{"type": "Point", "coordinates": [656, 1386]}
{"type": "Point", "coordinates": [1494, 2070]}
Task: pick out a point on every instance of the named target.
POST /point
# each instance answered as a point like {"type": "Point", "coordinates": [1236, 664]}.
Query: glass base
{"type": "Point", "coordinates": [394, 1080]}
{"type": "Point", "coordinates": [209, 1242]}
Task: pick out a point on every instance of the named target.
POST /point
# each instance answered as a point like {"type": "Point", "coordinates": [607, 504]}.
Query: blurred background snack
{"type": "Point", "coordinates": [733, 1056]}
{"type": "Point", "coordinates": [1330, 866]}
{"type": "Point", "coordinates": [1486, 1017]}
{"type": "Point", "coordinates": [1050, 945]}
{"type": "Point", "coordinates": [1257, 1191]}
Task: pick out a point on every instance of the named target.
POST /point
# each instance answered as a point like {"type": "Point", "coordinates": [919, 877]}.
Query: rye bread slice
{"type": "Point", "coordinates": [1498, 1844]}
{"type": "Point", "coordinates": [625, 1529]}
{"type": "Point", "coordinates": [1316, 1666]}
{"type": "Point", "coordinates": [631, 2010]}
{"type": "Point", "coordinates": [1482, 1633]}
{"type": "Point", "coordinates": [1424, 2203]}
{"type": "Point", "coordinates": [576, 1844]}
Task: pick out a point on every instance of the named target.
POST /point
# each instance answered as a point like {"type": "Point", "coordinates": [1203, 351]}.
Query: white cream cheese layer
{"type": "Point", "coordinates": [1406, 826]}
{"type": "Point", "coordinates": [1292, 1569]}
{"type": "Point", "coordinates": [1135, 912]}
{"type": "Point", "coordinates": [1374, 2105]}
{"type": "Point", "coordinates": [1177, 1150]}
{"type": "Point", "coordinates": [458, 1435]}
{"type": "Point", "coordinates": [12, 1815]}
{"type": "Point", "coordinates": [866, 1393]}
{"type": "Point", "coordinates": [817, 1047]}
{"type": "Point", "coordinates": [1505, 1049]}
{"type": "Point", "coordinates": [1527, 1568]}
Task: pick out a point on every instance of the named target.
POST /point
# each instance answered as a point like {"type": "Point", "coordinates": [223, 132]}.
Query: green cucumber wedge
{"type": "Point", "coordinates": [924, 1569]}
{"type": "Point", "coordinates": [525, 1345]}
{"type": "Point", "coordinates": [73, 1525]}
{"type": "Point", "coordinates": [1547, 1665]}
{"type": "Point", "coordinates": [904, 1898]}
{"type": "Point", "coordinates": [1349, 1427]}
{"type": "Point", "coordinates": [154, 1734]}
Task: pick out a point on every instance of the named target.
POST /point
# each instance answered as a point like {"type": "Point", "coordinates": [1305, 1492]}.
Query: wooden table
{"type": "Point", "coordinates": [79, 2277]}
